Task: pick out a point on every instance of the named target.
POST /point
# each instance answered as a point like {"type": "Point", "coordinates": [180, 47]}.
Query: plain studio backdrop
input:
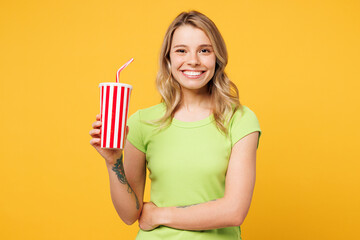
{"type": "Point", "coordinates": [296, 64]}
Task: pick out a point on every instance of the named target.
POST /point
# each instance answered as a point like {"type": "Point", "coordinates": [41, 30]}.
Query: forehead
{"type": "Point", "coordinates": [190, 36]}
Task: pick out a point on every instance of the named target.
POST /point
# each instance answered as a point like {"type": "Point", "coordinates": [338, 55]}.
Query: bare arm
{"type": "Point", "coordinates": [127, 183]}
{"type": "Point", "coordinates": [228, 211]}
{"type": "Point", "coordinates": [127, 174]}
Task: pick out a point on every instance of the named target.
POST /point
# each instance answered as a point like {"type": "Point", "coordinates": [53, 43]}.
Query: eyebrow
{"type": "Point", "coordinates": [202, 45]}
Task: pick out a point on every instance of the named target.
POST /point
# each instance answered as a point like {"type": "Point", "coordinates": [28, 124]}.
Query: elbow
{"type": "Point", "coordinates": [130, 220]}
{"type": "Point", "coordinates": [237, 219]}
{"type": "Point", "coordinates": [238, 214]}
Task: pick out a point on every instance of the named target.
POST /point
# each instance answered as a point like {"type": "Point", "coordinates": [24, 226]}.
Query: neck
{"type": "Point", "coordinates": [194, 100]}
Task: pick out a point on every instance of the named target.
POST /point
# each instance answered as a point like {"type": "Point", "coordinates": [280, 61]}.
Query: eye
{"type": "Point", "coordinates": [205, 50]}
{"type": "Point", "coordinates": [180, 50]}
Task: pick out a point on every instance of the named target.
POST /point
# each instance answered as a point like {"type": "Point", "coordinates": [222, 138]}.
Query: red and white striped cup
{"type": "Point", "coordinates": [114, 106]}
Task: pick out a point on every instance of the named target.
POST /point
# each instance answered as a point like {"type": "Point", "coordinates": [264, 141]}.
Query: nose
{"type": "Point", "coordinates": [193, 59]}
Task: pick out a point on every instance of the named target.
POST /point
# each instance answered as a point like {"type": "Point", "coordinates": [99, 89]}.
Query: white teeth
{"type": "Point", "coordinates": [192, 73]}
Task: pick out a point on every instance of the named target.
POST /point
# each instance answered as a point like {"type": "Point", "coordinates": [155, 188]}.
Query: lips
{"type": "Point", "coordinates": [192, 74]}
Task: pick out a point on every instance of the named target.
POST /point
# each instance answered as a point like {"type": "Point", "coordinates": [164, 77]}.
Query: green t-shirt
{"type": "Point", "coordinates": [187, 163]}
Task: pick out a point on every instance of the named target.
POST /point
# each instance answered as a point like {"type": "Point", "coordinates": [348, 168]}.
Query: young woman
{"type": "Point", "coordinates": [199, 144]}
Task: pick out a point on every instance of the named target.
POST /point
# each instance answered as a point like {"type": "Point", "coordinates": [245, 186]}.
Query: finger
{"type": "Point", "coordinates": [98, 116]}
{"type": "Point", "coordinates": [94, 132]}
{"type": "Point", "coordinates": [95, 141]}
{"type": "Point", "coordinates": [96, 124]}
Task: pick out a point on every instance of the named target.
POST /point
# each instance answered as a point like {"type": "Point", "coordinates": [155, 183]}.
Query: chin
{"type": "Point", "coordinates": [193, 86]}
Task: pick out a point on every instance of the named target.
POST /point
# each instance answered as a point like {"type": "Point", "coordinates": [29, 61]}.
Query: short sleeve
{"type": "Point", "coordinates": [135, 136]}
{"type": "Point", "coordinates": [243, 123]}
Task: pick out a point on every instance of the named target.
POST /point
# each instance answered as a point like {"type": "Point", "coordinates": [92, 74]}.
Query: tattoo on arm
{"type": "Point", "coordinates": [120, 173]}
{"type": "Point", "coordinates": [193, 204]}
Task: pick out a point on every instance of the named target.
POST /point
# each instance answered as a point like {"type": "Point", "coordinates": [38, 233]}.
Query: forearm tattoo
{"type": "Point", "coordinates": [120, 173]}
{"type": "Point", "coordinates": [193, 204]}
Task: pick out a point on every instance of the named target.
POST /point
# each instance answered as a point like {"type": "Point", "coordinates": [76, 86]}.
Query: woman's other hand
{"type": "Point", "coordinates": [149, 216]}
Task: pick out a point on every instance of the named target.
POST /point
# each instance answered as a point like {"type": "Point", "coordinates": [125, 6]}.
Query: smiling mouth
{"type": "Point", "coordinates": [192, 74]}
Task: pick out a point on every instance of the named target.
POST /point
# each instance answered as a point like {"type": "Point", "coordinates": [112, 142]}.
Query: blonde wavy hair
{"type": "Point", "coordinates": [224, 93]}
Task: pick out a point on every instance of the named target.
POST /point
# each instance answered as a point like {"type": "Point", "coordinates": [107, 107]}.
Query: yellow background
{"type": "Point", "coordinates": [296, 64]}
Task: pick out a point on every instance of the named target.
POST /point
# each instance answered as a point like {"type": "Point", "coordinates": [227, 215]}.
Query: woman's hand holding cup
{"type": "Point", "coordinates": [110, 155]}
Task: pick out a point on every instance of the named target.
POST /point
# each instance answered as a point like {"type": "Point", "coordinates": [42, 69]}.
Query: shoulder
{"type": "Point", "coordinates": [153, 112]}
{"type": "Point", "coordinates": [150, 113]}
{"type": "Point", "coordinates": [158, 108]}
{"type": "Point", "coordinates": [244, 113]}
{"type": "Point", "coordinates": [139, 127]}
{"type": "Point", "coordinates": [243, 122]}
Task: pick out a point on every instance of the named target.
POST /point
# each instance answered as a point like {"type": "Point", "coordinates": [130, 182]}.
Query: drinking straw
{"type": "Point", "coordinates": [121, 68]}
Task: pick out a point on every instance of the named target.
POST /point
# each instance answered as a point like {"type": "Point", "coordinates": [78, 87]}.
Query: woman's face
{"type": "Point", "coordinates": [192, 57]}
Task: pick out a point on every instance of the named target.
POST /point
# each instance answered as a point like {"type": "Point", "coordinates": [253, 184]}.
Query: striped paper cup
{"type": "Point", "coordinates": [114, 106]}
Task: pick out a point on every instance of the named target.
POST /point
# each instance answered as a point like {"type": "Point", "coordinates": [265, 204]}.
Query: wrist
{"type": "Point", "coordinates": [110, 163]}
{"type": "Point", "coordinates": [163, 215]}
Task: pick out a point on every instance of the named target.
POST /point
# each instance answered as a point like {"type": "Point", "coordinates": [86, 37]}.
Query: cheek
{"type": "Point", "coordinates": [175, 61]}
{"type": "Point", "coordinates": [173, 67]}
{"type": "Point", "coordinates": [211, 63]}
{"type": "Point", "coordinates": [175, 64]}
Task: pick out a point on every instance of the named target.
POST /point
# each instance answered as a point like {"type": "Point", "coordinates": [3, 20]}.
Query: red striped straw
{"type": "Point", "coordinates": [122, 67]}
